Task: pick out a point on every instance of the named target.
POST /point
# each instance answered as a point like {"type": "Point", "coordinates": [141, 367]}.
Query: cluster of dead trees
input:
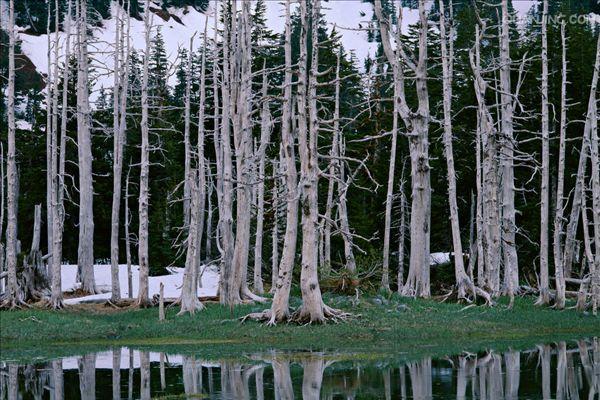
{"type": "Point", "coordinates": [241, 162]}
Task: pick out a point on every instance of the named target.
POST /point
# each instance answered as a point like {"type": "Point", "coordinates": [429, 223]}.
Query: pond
{"type": "Point", "coordinates": [549, 371]}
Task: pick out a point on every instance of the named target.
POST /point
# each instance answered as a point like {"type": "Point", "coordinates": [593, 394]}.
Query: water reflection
{"type": "Point", "coordinates": [559, 371]}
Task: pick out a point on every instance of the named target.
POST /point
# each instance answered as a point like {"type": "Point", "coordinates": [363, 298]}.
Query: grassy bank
{"type": "Point", "coordinates": [382, 326]}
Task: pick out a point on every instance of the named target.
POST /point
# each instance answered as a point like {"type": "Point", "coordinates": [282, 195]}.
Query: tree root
{"type": "Point", "coordinates": [13, 304]}
{"type": "Point", "coordinates": [198, 306]}
{"type": "Point", "coordinates": [303, 316]}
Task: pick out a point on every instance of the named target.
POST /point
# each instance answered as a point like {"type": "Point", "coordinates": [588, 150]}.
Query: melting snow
{"type": "Point", "coordinates": [172, 282]}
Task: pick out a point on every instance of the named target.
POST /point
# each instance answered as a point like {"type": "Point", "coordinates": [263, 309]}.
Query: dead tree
{"type": "Point", "coordinates": [121, 81]}
{"type": "Point", "coordinates": [545, 190]}
{"type": "Point", "coordinates": [85, 257]}
{"type": "Point", "coordinates": [12, 297]}
{"type": "Point", "coordinates": [279, 310]}
{"type": "Point", "coordinates": [58, 174]}
{"type": "Point", "coordinates": [312, 310]}
{"type": "Point", "coordinates": [417, 124]}
{"type": "Point", "coordinates": [559, 272]}
{"type": "Point", "coordinates": [344, 183]}
{"type": "Point", "coordinates": [266, 127]}
{"type": "Point", "coordinates": [143, 299]}
{"type": "Point", "coordinates": [509, 247]}
{"type": "Point", "coordinates": [464, 283]}
{"type": "Point", "coordinates": [488, 213]}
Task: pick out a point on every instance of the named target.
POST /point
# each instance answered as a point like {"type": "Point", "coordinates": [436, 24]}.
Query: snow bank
{"type": "Point", "coordinates": [172, 282]}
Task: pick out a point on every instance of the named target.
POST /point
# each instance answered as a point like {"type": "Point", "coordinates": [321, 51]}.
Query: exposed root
{"type": "Point", "coordinates": [248, 295]}
{"type": "Point", "coordinates": [13, 304]}
{"type": "Point", "coordinates": [304, 316]}
{"type": "Point", "coordinates": [263, 316]}
{"type": "Point", "coordinates": [198, 306]}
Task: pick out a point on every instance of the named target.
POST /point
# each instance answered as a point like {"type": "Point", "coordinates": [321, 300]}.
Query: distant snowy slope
{"type": "Point", "coordinates": [349, 16]}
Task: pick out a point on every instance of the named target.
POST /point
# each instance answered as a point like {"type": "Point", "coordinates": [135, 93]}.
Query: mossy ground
{"type": "Point", "coordinates": [382, 326]}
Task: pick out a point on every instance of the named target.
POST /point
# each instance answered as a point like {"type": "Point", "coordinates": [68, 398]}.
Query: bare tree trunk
{"type": "Point", "coordinates": [275, 229]}
{"type": "Point", "coordinates": [189, 291]}
{"type": "Point", "coordinates": [417, 124]}
{"type": "Point", "coordinates": [559, 272]}
{"type": "Point", "coordinates": [51, 122]}
{"type": "Point", "coordinates": [265, 132]}
{"type": "Point", "coordinates": [186, 139]}
{"type": "Point", "coordinates": [121, 80]}
{"type": "Point", "coordinates": [509, 249]}
{"type": "Point", "coordinates": [463, 282]}
{"type": "Point", "coordinates": [59, 156]}
{"type": "Point", "coordinates": [226, 291]}
{"type": "Point", "coordinates": [85, 258]}
{"type": "Point", "coordinates": [384, 28]}
{"type": "Point", "coordinates": [401, 233]}
{"type": "Point", "coordinates": [195, 181]}
{"type": "Point", "coordinates": [418, 275]}
{"type": "Point", "coordinates": [209, 213]}
{"type": "Point", "coordinates": [280, 306]}
{"type": "Point", "coordinates": [595, 185]}
{"type": "Point", "coordinates": [143, 299]}
{"type": "Point", "coordinates": [545, 190]}
{"type": "Point", "coordinates": [343, 184]}
{"type": "Point", "coordinates": [201, 162]}
{"type": "Point", "coordinates": [242, 124]}
{"type": "Point", "coordinates": [489, 174]}
{"type": "Point", "coordinates": [312, 303]}
{"type": "Point", "coordinates": [128, 238]}
{"type": "Point", "coordinates": [11, 298]}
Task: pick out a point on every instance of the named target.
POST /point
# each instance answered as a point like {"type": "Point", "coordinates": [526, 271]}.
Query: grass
{"type": "Point", "coordinates": [383, 326]}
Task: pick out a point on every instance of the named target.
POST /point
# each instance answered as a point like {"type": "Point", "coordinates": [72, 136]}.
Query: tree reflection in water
{"type": "Point", "coordinates": [559, 371]}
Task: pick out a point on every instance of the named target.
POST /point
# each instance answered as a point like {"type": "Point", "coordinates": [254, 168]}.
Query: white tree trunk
{"type": "Point", "coordinates": [545, 190]}
{"type": "Point", "coordinates": [265, 133]}
{"type": "Point", "coordinates": [275, 229]}
{"type": "Point", "coordinates": [85, 258]}
{"type": "Point", "coordinates": [227, 293]}
{"type": "Point", "coordinates": [11, 298]}
{"type": "Point", "coordinates": [280, 306]}
{"type": "Point", "coordinates": [463, 282]}
{"type": "Point", "coordinates": [509, 249]}
{"type": "Point", "coordinates": [417, 123]}
{"type": "Point", "coordinates": [121, 80]}
{"type": "Point", "coordinates": [59, 156]}
{"type": "Point", "coordinates": [559, 273]}
{"type": "Point", "coordinates": [143, 299]}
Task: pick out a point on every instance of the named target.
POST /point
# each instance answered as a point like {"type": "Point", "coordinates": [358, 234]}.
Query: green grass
{"type": "Point", "coordinates": [396, 326]}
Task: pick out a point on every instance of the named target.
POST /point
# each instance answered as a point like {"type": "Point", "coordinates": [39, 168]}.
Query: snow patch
{"type": "Point", "coordinates": [172, 282]}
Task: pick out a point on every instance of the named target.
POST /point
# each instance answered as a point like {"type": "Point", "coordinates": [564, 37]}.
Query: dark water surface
{"type": "Point", "coordinates": [557, 371]}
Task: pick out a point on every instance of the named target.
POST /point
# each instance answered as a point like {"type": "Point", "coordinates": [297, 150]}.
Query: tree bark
{"type": "Point", "coordinates": [509, 249]}
{"type": "Point", "coordinates": [11, 297]}
{"type": "Point", "coordinates": [463, 282]}
{"type": "Point", "coordinates": [280, 306]}
{"type": "Point", "coordinates": [559, 272]}
{"type": "Point", "coordinates": [143, 300]}
{"type": "Point", "coordinates": [85, 258]}
{"type": "Point", "coordinates": [265, 132]}
{"type": "Point", "coordinates": [121, 80]}
{"type": "Point", "coordinates": [545, 190]}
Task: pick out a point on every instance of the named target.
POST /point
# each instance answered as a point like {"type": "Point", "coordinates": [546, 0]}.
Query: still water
{"type": "Point", "coordinates": [557, 371]}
